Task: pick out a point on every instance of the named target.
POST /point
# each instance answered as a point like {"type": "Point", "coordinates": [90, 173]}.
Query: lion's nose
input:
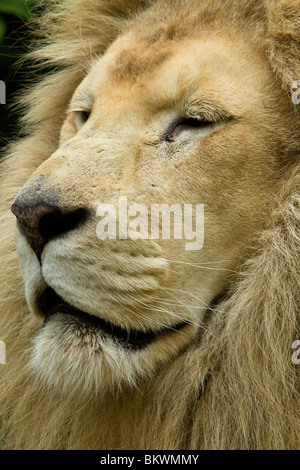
{"type": "Point", "coordinates": [42, 222]}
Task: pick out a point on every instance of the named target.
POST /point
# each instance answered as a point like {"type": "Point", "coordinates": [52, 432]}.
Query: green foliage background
{"type": "Point", "coordinates": [14, 36]}
{"type": "Point", "coordinates": [18, 8]}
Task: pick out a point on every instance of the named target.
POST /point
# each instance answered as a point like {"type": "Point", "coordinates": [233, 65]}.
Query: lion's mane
{"type": "Point", "coordinates": [238, 388]}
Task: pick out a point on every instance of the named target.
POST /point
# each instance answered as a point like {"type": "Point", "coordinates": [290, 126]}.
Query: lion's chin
{"type": "Point", "coordinates": [84, 364]}
{"type": "Point", "coordinates": [83, 355]}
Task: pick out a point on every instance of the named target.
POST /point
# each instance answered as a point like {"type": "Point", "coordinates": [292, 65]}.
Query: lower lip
{"type": "Point", "coordinates": [133, 339]}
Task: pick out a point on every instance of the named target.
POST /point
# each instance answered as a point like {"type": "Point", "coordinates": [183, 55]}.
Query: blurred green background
{"type": "Point", "coordinates": [15, 16]}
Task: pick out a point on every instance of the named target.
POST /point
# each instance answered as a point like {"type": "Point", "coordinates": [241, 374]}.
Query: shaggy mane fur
{"type": "Point", "coordinates": [238, 388]}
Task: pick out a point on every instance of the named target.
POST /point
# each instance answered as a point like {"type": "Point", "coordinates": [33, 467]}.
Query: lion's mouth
{"type": "Point", "coordinates": [51, 304]}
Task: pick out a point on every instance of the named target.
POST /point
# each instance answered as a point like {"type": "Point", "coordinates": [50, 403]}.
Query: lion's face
{"type": "Point", "coordinates": [185, 122]}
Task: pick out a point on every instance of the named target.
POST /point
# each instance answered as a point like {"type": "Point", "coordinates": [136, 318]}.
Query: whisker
{"type": "Point", "coordinates": [201, 266]}
{"type": "Point", "coordinates": [198, 324]}
{"type": "Point", "coordinates": [207, 306]}
{"type": "Point", "coordinates": [140, 315]}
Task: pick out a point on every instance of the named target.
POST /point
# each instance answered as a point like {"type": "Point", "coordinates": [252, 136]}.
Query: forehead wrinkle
{"type": "Point", "coordinates": [138, 61]}
{"type": "Point", "coordinates": [192, 80]}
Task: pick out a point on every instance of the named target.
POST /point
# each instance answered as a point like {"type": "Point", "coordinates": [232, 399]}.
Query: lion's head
{"type": "Point", "coordinates": [175, 105]}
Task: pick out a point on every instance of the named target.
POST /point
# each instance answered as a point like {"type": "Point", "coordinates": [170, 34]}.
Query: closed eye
{"type": "Point", "coordinates": [201, 127]}
{"type": "Point", "coordinates": [81, 118]}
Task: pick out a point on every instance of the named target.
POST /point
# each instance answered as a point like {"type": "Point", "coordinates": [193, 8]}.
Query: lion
{"type": "Point", "coordinates": [141, 343]}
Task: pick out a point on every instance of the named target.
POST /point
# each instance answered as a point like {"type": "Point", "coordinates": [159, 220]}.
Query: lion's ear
{"type": "Point", "coordinates": [283, 18]}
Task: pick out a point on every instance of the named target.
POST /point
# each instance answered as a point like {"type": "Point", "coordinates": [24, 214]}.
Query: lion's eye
{"type": "Point", "coordinates": [201, 127]}
{"type": "Point", "coordinates": [81, 118]}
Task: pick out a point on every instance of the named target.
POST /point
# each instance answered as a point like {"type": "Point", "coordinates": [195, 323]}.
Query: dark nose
{"type": "Point", "coordinates": [43, 222]}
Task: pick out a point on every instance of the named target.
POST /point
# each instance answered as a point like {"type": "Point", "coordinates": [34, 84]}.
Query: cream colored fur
{"type": "Point", "coordinates": [229, 381]}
